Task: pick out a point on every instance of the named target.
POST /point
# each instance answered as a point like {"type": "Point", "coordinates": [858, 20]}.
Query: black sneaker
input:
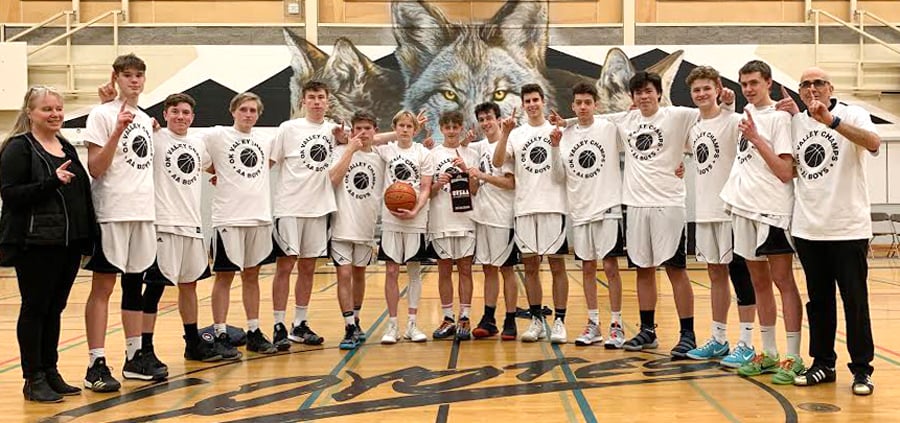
{"type": "Point", "coordinates": [350, 341]}
{"type": "Point", "coordinates": [686, 342]}
{"type": "Point", "coordinates": [815, 375]}
{"type": "Point", "coordinates": [140, 367]}
{"type": "Point", "coordinates": [360, 334]}
{"type": "Point", "coordinates": [644, 340]}
{"type": "Point", "coordinates": [304, 335]}
{"type": "Point", "coordinates": [201, 351]}
{"type": "Point", "coordinates": [59, 385]}
{"type": "Point", "coordinates": [222, 347]}
{"type": "Point", "coordinates": [510, 332]}
{"type": "Point", "coordinates": [280, 338]}
{"type": "Point", "coordinates": [258, 343]}
{"type": "Point", "coordinates": [153, 359]}
{"type": "Point", "coordinates": [445, 330]}
{"type": "Point", "coordinates": [487, 327]}
{"type": "Point", "coordinates": [862, 384]}
{"type": "Point", "coordinates": [99, 378]}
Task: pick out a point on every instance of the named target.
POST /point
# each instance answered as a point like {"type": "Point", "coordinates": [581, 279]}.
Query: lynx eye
{"type": "Point", "coordinates": [499, 95]}
{"type": "Point", "coordinates": [449, 95]}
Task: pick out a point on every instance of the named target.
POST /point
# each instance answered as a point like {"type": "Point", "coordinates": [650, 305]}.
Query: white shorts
{"type": "Point", "coordinates": [235, 248]}
{"type": "Point", "coordinates": [542, 234]}
{"type": "Point", "coordinates": [754, 240]}
{"type": "Point", "coordinates": [358, 254]}
{"type": "Point", "coordinates": [715, 242]}
{"type": "Point", "coordinates": [596, 240]}
{"type": "Point", "coordinates": [124, 247]}
{"type": "Point", "coordinates": [304, 237]}
{"type": "Point", "coordinates": [179, 259]}
{"type": "Point", "coordinates": [495, 246]}
{"type": "Point", "coordinates": [453, 247]}
{"type": "Point", "coordinates": [655, 236]}
{"type": "Point", "coordinates": [401, 247]}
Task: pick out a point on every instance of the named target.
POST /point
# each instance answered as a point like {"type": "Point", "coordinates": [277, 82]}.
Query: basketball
{"type": "Point", "coordinates": [400, 195]}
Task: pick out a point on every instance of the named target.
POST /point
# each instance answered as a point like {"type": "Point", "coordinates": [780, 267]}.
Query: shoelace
{"type": "Point", "coordinates": [758, 359]}
{"type": "Point", "coordinates": [787, 364]}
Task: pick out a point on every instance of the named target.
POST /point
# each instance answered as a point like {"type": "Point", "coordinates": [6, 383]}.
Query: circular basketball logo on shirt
{"type": "Point", "coordinates": [745, 148]}
{"type": "Point", "coordinates": [182, 163]}
{"type": "Point", "coordinates": [315, 152]}
{"type": "Point", "coordinates": [816, 153]}
{"type": "Point", "coordinates": [359, 181]}
{"type": "Point", "coordinates": [645, 142]}
{"type": "Point", "coordinates": [706, 152]}
{"type": "Point", "coordinates": [135, 145]}
{"type": "Point", "coordinates": [246, 158]}
{"type": "Point", "coordinates": [403, 169]}
{"type": "Point", "coordinates": [586, 158]}
{"type": "Point", "coordinates": [536, 155]}
{"type": "Point", "coordinates": [446, 166]}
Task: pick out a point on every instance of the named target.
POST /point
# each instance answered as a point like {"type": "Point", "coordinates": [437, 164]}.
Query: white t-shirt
{"type": "Point", "coordinates": [241, 196]}
{"type": "Point", "coordinates": [714, 145]}
{"type": "Point", "coordinates": [442, 220]}
{"type": "Point", "coordinates": [178, 175]}
{"type": "Point", "coordinates": [654, 148]}
{"type": "Point", "coordinates": [493, 205]}
{"type": "Point", "coordinates": [832, 196]}
{"type": "Point", "coordinates": [124, 191]}
{"type": "Point", "coordinates": [405, 165]}
{"type": "Point", "coordinates": [753, 191]}
{"type": "Point", "coordinates": [358, 197]}
{"type": "Point", "coordinates": [303, 152]}
{"type": "Point", "coordinates": [537, 191]}
{"type": "Point", "coordinates": [590, 157]}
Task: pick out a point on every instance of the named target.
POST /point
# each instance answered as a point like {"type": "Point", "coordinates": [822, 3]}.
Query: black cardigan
{"type": "Point", "coordinates": [34, 210]}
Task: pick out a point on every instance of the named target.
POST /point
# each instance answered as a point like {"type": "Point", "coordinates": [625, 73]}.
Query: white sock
{"type": "Point", "coordinates": [746, 334]}
{"type": "Point", "coordinates": [349, 320]}
{"type": "Point", "coordinates": [793, 343]}
{"type": "Point", "coordinates": [355, 314]}
{"type": "Point", "coordinates": [718, 332]}
{"type": "Point", "coordinates": [252, 325]}
{"type": "Point", "coordinates": [393, 320]}
{"type": "Point", "coordinates": [279, 316]}
{"type": "Point", "coordinates": [448, 310]}
{"type": "Point", "coordinates": [299, 314]}
{"type": "Point", "coordinates": [411, 318]}
{"type": "Point", "coordinates": [594, 315]}
{"type": "Point", "coordinates": [220, 328]}
{"type": "Point", "coordinates": [132, 345]}
{"type": "Point", "coordinates": [616, 316]}
{"type": "Point", "coordinates": [94, 354]}
{"type": "Point", "coordinates": [464, 311]}
{"type": "Point", "coordinates": [768, 340]}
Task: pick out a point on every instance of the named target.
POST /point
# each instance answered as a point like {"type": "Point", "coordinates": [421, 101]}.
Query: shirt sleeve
{"type": "Point", "coordinates": [97, 128]}
{"type": "Point", "coordinates": [781, 134]}
{"type": "Point", "coordinates": [277, 153]}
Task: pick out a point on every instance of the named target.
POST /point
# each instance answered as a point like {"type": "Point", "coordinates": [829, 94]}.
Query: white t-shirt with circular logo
{"type": "Point", "coordinates": [537, 191]}
{"type": "Point", "coordinates": [241, 196]}
{"type": "Point", "coordinates": [442, 220]}
{"type": "Point", "coordinates": [303, 151]}
{"type": "Point", "coordinates": [714, 144]}
{"type": "Point", "coordinates": [590, 157]}
{"type": "Point", "coordinates": [493, 206]}
{"type": "Point", "coordinates": [405, 165]}
{"type": "Point", "coordinates": [178, 175]}
{"type": "Point", "coordinates": [358, 197]}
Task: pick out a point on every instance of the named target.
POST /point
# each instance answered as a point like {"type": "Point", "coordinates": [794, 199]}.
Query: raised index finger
{"type": "Point", "coordinates": [784, 93]}
{"type": "Point", "coordinates": [65, 165]}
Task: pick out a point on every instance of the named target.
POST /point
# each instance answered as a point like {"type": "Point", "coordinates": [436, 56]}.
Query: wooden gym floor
{"type": "Point", "coordinates": [444, 381]}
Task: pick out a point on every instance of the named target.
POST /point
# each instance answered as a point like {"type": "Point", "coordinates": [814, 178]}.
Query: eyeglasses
{"type": "Point", "coordinates": [818, 83]}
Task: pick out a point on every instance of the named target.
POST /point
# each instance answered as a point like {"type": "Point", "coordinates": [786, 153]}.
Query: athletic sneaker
{"type": "Point", "coordinates": [99, 378]}
{"type": "Point", "coordinates": [360, 333]}
{"type": "Point", "coordinates": [815, 375]}
{"type": "Point", "coordinates": [350, 341]}
{"type": "Point", "coordinates": [222, 346]}
{"type": "Point", "coordinates": [686, 342]}
{"type": "Point", "coordinates": [862, 384]}
{"type": "Point", "coordinates": [258, 343]}
{"type": "Point", "coordinates": [644, 340]}
{"type": "Point", "coordinates": [590, 335]}
{"type": "Point", "coordinates": [201, 351]}
{"type": "Point", "coordinates": [391, 334]}
{"type": "Point", "coordinates": [141, 368]}
{"type": "Point", "coordinates": [464, 330]}
{"type": "Point", "coordinates": [153, 359]}
{"type": "Point", "coordinates": [711, 349]}
{"type": "Point", "coordinates": [487, 327]}
{"type": "Point", "coordinates": [445, 330]}
{"type": "Point", "coordinates": [304, 335]}
{"type": "Point", "coordinates": [413, 333]}
{"type": "Point", "coordinates": [761, 363]}
{"type": "Point", "coordinates": [558, 333]}
{"type": "Point", "coordinates": [535, 332]}
{"type": "Point", "coordinates": [616, 339]}
{"type": "Point", "coordinates": [741, 355]}
{"type": "Point", "coordinates": [788, 369]}
{"type": "Point", "coordinates": [510, 331]}
{"type": "Point", "coordinates": [280, 338]}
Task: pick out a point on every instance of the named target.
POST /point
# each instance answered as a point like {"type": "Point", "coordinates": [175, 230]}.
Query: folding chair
{"type": "Point", "coordinates": [894, 250]}
{"type": "Point", "coordinates": [882, 226]}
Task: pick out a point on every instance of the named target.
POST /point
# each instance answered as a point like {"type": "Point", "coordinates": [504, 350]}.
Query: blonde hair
{"type": "Point", "coordinates": [244, 97]}
{"type": "Point", "coordinates": [405, 114]}
{"type": "Point", "coordinates": [23, 122]}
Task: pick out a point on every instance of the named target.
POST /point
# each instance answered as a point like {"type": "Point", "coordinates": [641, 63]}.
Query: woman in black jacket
{"type": "Point", "coordinates": [46, 223]}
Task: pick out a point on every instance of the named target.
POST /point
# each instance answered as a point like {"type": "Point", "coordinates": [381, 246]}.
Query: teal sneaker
{"type": "Point", "coordinates": [350, 341]}
{"type": "Point", "coordinates": [711, 349]}
{"type": "Point", "coordinates": [761, 363]}
{"type": "Point", "coordinates": [741, 355]}
{"type": "Point", "coordinates": [788, 369]}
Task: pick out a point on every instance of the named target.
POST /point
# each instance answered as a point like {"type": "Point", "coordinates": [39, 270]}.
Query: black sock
{"type": "Point", "coordinates": [147, 341]}
{"type": "Point", "coordinates": [647, 321]}
{"type": "Point", "coordinates": [191, 334]}
{"type": "Point", "coordinates": [489, 312]}
{"type": "Point", "coordinates": [511, 315]}
{"type": "Point", "coordinates": [687, 324]}
{"type": "Point", "coordinates": [536, 311]}
{"type": "Point", "coordinates": [560, 314]}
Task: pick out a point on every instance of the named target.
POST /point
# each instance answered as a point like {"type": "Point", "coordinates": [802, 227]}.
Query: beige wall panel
{"type": "Point", "coordinates": [10, 10]}
{"type": "Point", "coordinates": [887, 10]}
{"type": "Point", "coordinates": [36, 11]}
{"type": "Point", "coordinates": [728, 11]}
{"type": "Point", "coordinates": [218, 12]}
{"type": "Point", "coordinates": [573, 13]}
{"type": "Point", "coordinates": [645, 11]}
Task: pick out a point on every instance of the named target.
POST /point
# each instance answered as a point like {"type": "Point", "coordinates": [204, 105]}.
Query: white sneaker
{"type": "Point", "coordinates": [413, 333]}
{"type": "Point", "coordinates": [391, 334]}
{"type": "Point", "coordinates": [558, 332]}
{"type": "Point", "coordinates": [616, 339]}
{"type": "Point", "coordinates": [535, 331]}
{"type": "Point", "coordinates": [590, 335]}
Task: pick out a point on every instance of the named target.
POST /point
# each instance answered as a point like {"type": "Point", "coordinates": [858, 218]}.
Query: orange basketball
{"type": "Point", "coordinates": [400, 195]}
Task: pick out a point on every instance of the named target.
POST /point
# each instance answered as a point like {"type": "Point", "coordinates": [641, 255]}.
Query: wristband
{"type": "Point", "coordinates": [835, 122]}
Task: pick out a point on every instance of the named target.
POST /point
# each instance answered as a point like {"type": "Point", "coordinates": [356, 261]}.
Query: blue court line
{"type": "Point", "coordinates": [586, 411]}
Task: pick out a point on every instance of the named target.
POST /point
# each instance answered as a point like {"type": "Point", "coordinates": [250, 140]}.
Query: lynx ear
{"type": "Point", "coordinates": [347, 66]}
{"type": "Point", "coordinates": [421, 30]}
{"type": "Point", "coordinates": [306, 61]}
{"type": "Point", "coordinates": [667, 69]}
{"type": "Point", "coordinates": [613, 83]}
{"type": "Point", "coordinates": [522, 28]}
